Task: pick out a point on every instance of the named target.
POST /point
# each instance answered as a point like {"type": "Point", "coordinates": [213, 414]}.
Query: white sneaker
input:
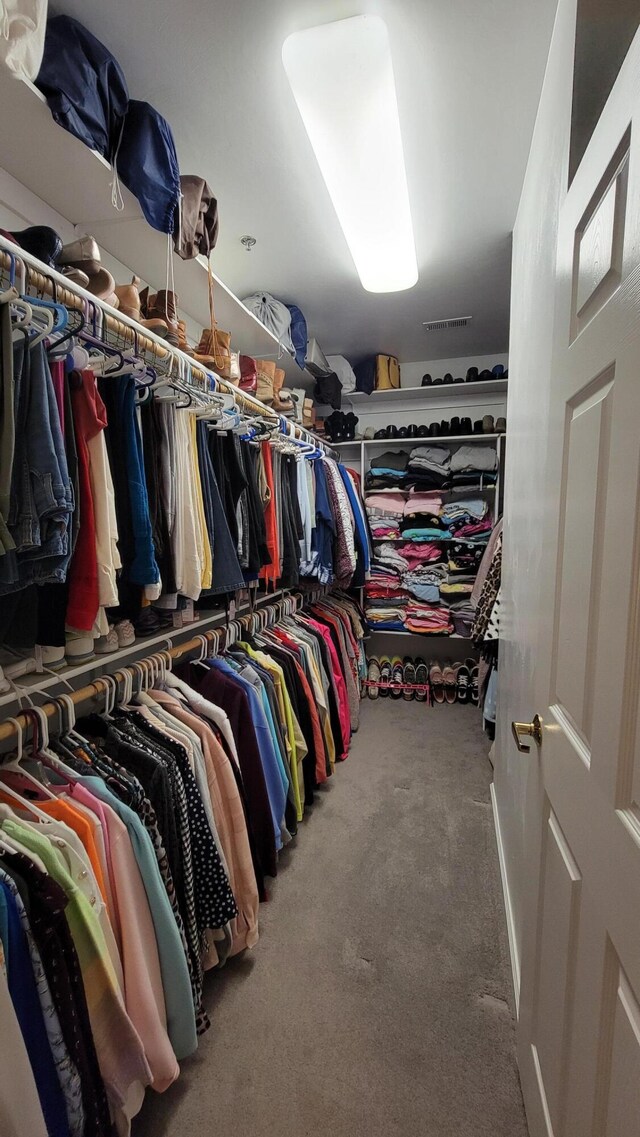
{"type": "Point", "coordinates": [52, 657]}
{"type": "Point", "coordinates": [108, 643]}
{"type": "Point", "coordinates": [125, 632]}
{"type": "Point", "coordinates": [78, 647]}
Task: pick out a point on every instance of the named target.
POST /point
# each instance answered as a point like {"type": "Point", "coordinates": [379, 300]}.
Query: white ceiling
{"type": "Point", "coordinates": [468, 76]}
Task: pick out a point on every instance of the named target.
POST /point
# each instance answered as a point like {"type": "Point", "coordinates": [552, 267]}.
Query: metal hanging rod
{"type": "Point", "coordinates": [96, 691]}
{"type": "Point", "coordinates": [41, 278]}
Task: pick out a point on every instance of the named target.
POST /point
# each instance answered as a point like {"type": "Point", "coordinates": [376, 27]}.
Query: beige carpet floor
{"type": "Point", "coordinates": [377, 1001]}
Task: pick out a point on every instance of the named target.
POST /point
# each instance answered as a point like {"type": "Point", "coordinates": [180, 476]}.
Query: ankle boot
{"type": "Point", "coordinates": [129, 302]}
{"type": "Point", "coordinates": [163, 306]}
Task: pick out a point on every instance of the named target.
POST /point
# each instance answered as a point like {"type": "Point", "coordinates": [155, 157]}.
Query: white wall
{"type": "Point", "coordinates": [533, 281]}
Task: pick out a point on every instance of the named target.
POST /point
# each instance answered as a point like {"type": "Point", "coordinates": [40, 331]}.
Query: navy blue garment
{"type": "Point", "coordinates": [84, 85]}
{"type": "Point", "coordinates": [207, 477]}
{"type": "Point", "coordinates": [298, 334]}
{"type": "Point", "coordinates": [227, 574]}
{"type": "Point", "coordinates": [365, 374]}
{"type": "Point", "coordinates": [147, 163]}
{"type": "Point", "coordinates": [322, 535]}
{"type": "Point", "coordinates": [24, 996]}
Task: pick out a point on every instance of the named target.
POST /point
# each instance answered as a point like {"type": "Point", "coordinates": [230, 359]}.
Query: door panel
{"type": "Point", "coordinates": [579, 1027]}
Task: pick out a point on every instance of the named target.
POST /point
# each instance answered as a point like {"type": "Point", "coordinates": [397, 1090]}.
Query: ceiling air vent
{"type": "Point", "coordinates": [440, 325]}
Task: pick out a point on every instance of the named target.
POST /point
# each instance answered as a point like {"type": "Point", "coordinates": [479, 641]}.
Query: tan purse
{"type": "Point", "coordinates": [266, 369]}
{"type": "Point", "coordinates": [214, 348]}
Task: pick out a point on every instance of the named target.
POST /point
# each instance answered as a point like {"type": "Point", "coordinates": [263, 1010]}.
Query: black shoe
{"type": "Point", "coordinates": [437, 381]}
{"type": "Point", "coordinates": [472, 375]}
{"type": "Point", "coordinates": [423, 431]}
{"type": "Point", "coordinates": [385, 675]}
{"type": "Point", "coordinates": [412, 430]}
{"type": "Point", "coordinates": [392, 432]}
{"type": "Point", "coordinates": [458, 379]}
{"type": "Point", "coordinates": [422, 678]}
{"type": "Point", "coordinates": [397, 677]}
{"type": "Point", "coordinates": [434, 430]}
{"type": "Point", "coordinates": [403, 432]}
{"type": "Point", "coordinates": [478, 427]}
{"type": "Point", "coordinates": [444, 427]}
{"type": "Point", "coordinates": [382, 433]}
{"type": "Point", "coordinates": [409, 678]}
{"type": "Point", "coordinates": [465, 426]}
{"type": "Point", "coordinates": [350, 424]}
{"type": "Point", "coordinates": [448, 377]}
{"type": "Point", "coordinates": [455, 425]}
{"type": "Point", "coordinates": [498, 371]}
{"type": "Point", "coordinates": [42, 242]}
{"type": "Point", "coordinates": [484, 375]}
{"type": "Point", "coordinates": [426, 380]}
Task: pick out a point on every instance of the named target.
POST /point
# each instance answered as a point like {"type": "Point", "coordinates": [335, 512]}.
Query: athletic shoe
{"type": "Point", "coordinates": [422, 679]}
{"type": "Point", "coordinates": [108, 643]}
{"type": "Point", "coordinates": [463, 679]}
{"type": "Point", "coordinates": [373, 675]}
{"type": "Point", "coordinates": [397, 676]}
{"type": "Point", "coordinates": [409, 678]}
{"type": "Point", "coordinates": [385, 674]}
{"type": "Point", "coordinates": [125, 633]}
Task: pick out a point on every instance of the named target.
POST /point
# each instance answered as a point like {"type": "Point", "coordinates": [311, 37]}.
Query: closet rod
{"type": "Point", "coordinates": [43, 279]}
{"type": "Point", "coordinates": [191, 647]}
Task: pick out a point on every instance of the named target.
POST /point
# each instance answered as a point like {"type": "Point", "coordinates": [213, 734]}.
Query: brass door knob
{"type": "Point", "coordinates": [531, 729]}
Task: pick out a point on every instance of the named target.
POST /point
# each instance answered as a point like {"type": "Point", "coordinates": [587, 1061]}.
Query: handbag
{"type": "Point", "coordinates": [266, 369]}
{"type": "Point", "coordinates": [387, 373]}
{"type": "Point", "coordinates": [214, 349]}
{"type": "Point", "coordinates": [248, 374]}
{"type": "Point", "coordinates": [22, 39]}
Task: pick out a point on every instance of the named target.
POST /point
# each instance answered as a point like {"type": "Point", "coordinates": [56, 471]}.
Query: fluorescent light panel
{"type": "Point", "coordinates": [341, 75]}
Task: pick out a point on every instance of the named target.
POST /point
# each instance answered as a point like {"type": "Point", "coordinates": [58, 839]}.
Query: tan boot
{"type": "Point", "coordinates": [129, 297]}
{"type": "Point", "coordinates": [164, 306]}
{"type": "Point", "coordinates": [214, 351]}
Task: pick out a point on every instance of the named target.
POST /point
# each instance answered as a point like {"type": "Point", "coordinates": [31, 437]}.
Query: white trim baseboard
{"type": "Point", "coordinates": [508, 908]}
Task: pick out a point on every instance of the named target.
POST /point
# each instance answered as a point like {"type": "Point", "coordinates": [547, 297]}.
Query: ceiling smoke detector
{"type": "Point", "coordinates": [441, 325]}
{"type": "Point", "coordinates": [248, 242]}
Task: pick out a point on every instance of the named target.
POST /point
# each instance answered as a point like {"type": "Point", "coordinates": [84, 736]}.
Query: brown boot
{"type": "Point", "coordinates": [214, 351]}
{"type": "Point", "coordinates": [164, 306]}
{"type": "Point", "coordinates": [129, 298]}
{"type": "Point", "coordinates": [182, 336]}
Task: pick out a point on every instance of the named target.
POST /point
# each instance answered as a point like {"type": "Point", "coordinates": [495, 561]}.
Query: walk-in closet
{"type": "Point", "coordinates": [319, 568]}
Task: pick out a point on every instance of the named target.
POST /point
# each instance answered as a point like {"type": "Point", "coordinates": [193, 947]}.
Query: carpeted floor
{"type": "Point", "coordinates": [376, 1003]}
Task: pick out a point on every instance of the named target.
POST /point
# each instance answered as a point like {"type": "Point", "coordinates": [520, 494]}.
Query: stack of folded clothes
{"type": "Point", "coordinates": [427, 548]}
{"type": "Point", "coordinates": [429, 619]}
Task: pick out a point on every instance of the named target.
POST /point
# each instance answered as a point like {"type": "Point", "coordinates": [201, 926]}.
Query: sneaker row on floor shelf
{"type": "Point", "coordinates": [425, 682]}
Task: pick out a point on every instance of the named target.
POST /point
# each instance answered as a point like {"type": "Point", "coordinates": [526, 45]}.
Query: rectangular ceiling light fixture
{"type": "Point", "coordinates": [341, 75]}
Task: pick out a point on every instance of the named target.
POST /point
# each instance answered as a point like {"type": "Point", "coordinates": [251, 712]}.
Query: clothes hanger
{"type": "Point", "coordinates": [22, 802]}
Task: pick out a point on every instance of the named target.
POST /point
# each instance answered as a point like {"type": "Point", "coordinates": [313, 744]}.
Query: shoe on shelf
{"type": "Point", "coordinates": [477, 427]}
{"type": "Point", "coordinates": [125, 632]}
{"type": "Point", "coordinates": [488, 426]}
{"type": "Point", "coordinates": [373, 675]}
{"type": "Point", "coordinates": [76, 276]}
{"type": "Point", "coordinates": [427, 381]}
{"type": "Point", "coordinates": [409, 679]}
{"type": "Point", "coordinates": [422, 679]}
{"type": "Point", "coordinates": [473, 680]}
{"type": "Point", "coordinates": [447, 377]}
{"type": "Point", "coordinates": [498, 371]}
{"type": "Point", "coordinates": [369, 434]}
{"type": "Point", "coordinates": [108, 643]}
{"type": "Point", "coordinates": [350, 423]}
{"type": "Point", "coordinates": [148, 622]}
{"type": "Point", "coordinates": [466, 426]}
{"type": "Point", "coordinates": [501, 425]}
{"type": "Point", "coordinates": [423, 431]}
{"type": "Point", "coordinates": [381, 433]}
{"type": "Point", "coordinates": [129, 298]}
{"type": "Point", "coordinates": [472, 375]}
{"type": "Point", "coordinates": [412, 430]}
{"type": "Point", "coordinates": [52, 657]}
{"type": "Point", "coordinates": [436, 679]}
{"type": "Point", "coordinates": [444, 427]}
{"type": "Point", "coordinates": [454, 425]}
{"type": "Point", "coordinates": [164, 306]}
{"type": "Point", "coordinates": [459, 379]}
{"type": "Point", "coordinates": [385, 674]}
{"type": "Point", "coordinates": [397, 677]}
{"type": "Point", "coordinates": [463, 681]}
{"type": "Point", "coordinates": [392, 432]}
{"type": "Point", "coordinates": [78, 647]}
{"type": "Point", "coordinates": [434, 430]}
{"type": "Point", "coordinates": [485, 375]}
{"type": "Point", "coordinates": [450, 683]}
{"type": "Point", "coordinates": [403, 432]}
{"type": "Point", "coordinates": [41, 241]}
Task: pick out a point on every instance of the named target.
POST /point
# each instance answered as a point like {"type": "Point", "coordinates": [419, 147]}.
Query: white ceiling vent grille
{"type": "Point", "coordinates": [440, 325]}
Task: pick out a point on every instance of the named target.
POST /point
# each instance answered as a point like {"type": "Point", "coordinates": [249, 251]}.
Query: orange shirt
{"type": "Point", "coordinates": [62, 810]}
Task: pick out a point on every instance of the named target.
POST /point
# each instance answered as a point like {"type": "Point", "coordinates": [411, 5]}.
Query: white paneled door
{"type": "Point", "coordinates": [579, 1024]}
